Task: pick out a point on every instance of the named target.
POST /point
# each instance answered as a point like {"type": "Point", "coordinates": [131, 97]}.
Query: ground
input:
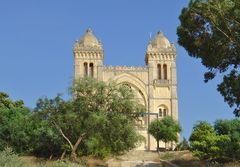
{"type": "Point", "coordinates": [141, 159]}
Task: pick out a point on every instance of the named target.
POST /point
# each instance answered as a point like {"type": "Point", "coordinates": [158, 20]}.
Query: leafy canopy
{"type": "Point", "coordinates": [15, 124]}
{"type": "Point", "coordinates": [231, 128]}
{"type": "Point", "coordinates": [210, 30]}
{"type": "Point", "coordinates": [166, 130]}
{"type": "Point", "coordinates": [98, 120]}
{"type": "Point", "coordinates": [206, 144]}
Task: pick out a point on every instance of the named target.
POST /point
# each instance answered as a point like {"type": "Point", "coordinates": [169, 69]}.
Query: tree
{"type": "Point", "coordinates": [205, 143]}
{"type": "Point", "coordinates": [231, 128]}
{"type": "Point", "coordinates": [46, 140]}
{"type": "Point", "coordinates": [183, 145]}
{"type": "Point", "coordinates": [15, 124]}
{"type": "Point", "coordinates": [97, 111]}
{"type": "Point", "coordinates": [210, 30]}
{"type": "Point", "coordinates": [165, 130]}
{"type": "Point", "coordinates": [7, 103]}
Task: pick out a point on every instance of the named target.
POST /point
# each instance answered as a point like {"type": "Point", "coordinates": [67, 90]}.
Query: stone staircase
{"type": "Point", "coordinates": [136, 158]}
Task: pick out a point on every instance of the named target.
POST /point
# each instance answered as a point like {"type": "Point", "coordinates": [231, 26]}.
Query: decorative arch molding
{"type": "Point", "coordinates": [163, 105]}
{"type": "Point", "coordinates": [163, 110]}
{"type": "Point", "coordinates": [133, 81]}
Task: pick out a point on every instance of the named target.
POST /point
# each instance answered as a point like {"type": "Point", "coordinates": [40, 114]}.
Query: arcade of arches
{"type": "Point", "coordinates": [154, 85]}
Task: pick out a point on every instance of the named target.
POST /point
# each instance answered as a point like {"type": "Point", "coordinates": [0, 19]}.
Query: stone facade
{"type": "Point", "coordinates": [155, 85]}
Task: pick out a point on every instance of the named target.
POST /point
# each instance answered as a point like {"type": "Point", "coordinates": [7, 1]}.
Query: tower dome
{"type": "Point", "coordinates": [159, 42]}
{"type": "Point", "coordinates": [88, 40]}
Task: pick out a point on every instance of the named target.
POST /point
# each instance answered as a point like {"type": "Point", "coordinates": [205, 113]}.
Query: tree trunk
{"type": "Point", "coordinates": [63, 154]}
{"type": "Point", "coordinates": [74, 149]}
{"type": "Point", "coordinates": [157, 145]}
{"type": "Point", "coordinates": [50, 158]}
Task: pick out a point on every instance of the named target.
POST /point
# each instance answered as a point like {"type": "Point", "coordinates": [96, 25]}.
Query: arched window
{"type": "Point", "coordinates": [159, 71]}
{"type": "Point", "coordinates": [91, 70]}
{"type": "Point", "coordinates": [160, 112]}
{"type": "Point", "coordinates": [164, 71]}
{"type": "Point", "coordinates": [85, 65]}
{"type": "Point", "coordinates": [163, 112]}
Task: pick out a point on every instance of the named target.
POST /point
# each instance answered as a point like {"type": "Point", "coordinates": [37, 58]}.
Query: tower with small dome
{"type": "Point", "coordinates": [154, 85]}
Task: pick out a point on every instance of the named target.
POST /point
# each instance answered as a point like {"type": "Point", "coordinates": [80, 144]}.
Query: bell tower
{"type": "Point", "coordinates": [88, 57]}
{"type": "Point", "coordinates": [161, 62]}
{"type": "Point", "coordinates": [162, 83]}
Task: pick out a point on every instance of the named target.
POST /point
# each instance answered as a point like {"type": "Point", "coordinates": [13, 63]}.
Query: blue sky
{"type": "Point", "coordinates": [37, 38]}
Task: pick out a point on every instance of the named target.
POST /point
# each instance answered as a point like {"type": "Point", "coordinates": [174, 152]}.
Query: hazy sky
{"type": "Point", "coordinates": [37, 38]}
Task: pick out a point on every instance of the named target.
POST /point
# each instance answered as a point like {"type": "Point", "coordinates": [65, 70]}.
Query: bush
{"type": "Point", "coordinates": [183, 145]}
{"type": "Point", "coordinates": [221, 143]}
{"type": "Point", "coordinates": [9, 159]}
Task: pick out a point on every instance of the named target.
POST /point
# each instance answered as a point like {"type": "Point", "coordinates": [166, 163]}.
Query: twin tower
{"type": "Point", "coordinates": [154, 85]}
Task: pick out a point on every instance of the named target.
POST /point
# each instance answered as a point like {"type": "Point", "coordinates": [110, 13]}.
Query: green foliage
{"type": "Point", "coordinates": [183, 145]}
{"type": "Point", "coordinates": [45, 140]}
{"type": "Point", "coordinates": [229, 89]}
{"type": "Point", "coordinates": [15, 124]}
{"type": "Point", "coordinates": [98, 120]}
{"type": "Point", "coordinates": [9, 159]}
{"type": "Point", "coordinates": [165, 130]}
{"type": "Point", "coordinates": [6, 102]}
{"type": "Point", "coordinates": [116, 134]}
{"type": "Point", "coordinates": [210, 31]}
{"type": "Point", "coordinates": [205, 143]}
{"type": "Point", "coordinates": [231, 128]}
{"type": "Point", "coordinates": [48, 138]}
{"type": "Point", "coordinates": [168, 156]}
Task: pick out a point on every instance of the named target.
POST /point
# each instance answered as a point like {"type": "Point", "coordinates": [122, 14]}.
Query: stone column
{"type": "Point", "coordinates": [76, 69]}
{"type": "Point", "coordinates": [150, 97]}
{"type": "Point", "coordinates": [100, 71]}
{"type": "Point", "coordinates": [174, 100]}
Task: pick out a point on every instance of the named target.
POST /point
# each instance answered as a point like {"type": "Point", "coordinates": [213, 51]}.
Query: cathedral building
{"type": "Point", "coordinates": [154, 85]}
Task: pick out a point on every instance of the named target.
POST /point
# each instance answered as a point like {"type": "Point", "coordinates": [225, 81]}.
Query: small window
{"type": "Point", "coordinates": [164, 112]}
{"type": "Point", "coordinates": [91, 70]}
{"type": "Point", "coordinates": [160, 112]}
{"type": "Point", "coordinates": [85, 65]}
{"type": "Point", "coordinates": [159, 71]}
{"type": "Point", "coordinates": [164, 71]}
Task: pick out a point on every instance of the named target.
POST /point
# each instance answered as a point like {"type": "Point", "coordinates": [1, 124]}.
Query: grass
{"type": "Point", "coordinates": [180, 158]}
{"type": "Point", "coordinates": [186, 159]}
{"type": "Point", "coordinates": [167, 156]}
{"type": "Point", "coordinates": [9, 159]}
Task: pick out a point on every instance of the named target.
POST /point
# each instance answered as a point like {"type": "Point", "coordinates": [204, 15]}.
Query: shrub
{"type": "Point", "coordinates": [9, 159]}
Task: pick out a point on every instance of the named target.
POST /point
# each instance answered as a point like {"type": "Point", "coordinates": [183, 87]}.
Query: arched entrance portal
{"type": "Point", "coordinates": [138, 86]}
{"type": "Point", "coordinates": [140, 95]}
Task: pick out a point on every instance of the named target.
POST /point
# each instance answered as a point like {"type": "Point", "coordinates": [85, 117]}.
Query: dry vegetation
{"type": "Point", "coordinates": [186, 159]}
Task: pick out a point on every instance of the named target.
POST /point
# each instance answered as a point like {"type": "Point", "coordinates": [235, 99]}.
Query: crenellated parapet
{"type": "Point", "coordinates": [166, 55]}
{"type": "Point", "coordinates": [152, 49]}
{"type": "Point", "coordinates": [88, 54]}
{"type": "Point", "coordinates": [125, 68]}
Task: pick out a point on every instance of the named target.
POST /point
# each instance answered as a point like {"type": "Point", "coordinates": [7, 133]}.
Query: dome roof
{"type": "Point", "coordinates": [160, 41]}
{"type": "Point", "coordinates": [88, 40]}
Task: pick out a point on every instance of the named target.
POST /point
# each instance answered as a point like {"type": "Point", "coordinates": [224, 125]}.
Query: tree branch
{"type": "Point", "coordinates": [65, 137]}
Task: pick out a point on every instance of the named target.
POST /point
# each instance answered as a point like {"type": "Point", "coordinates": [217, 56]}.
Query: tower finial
{"type": "Point", "coordinates": [160, 32]}
{"type": "Point", "coordinates": [89, 30]}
